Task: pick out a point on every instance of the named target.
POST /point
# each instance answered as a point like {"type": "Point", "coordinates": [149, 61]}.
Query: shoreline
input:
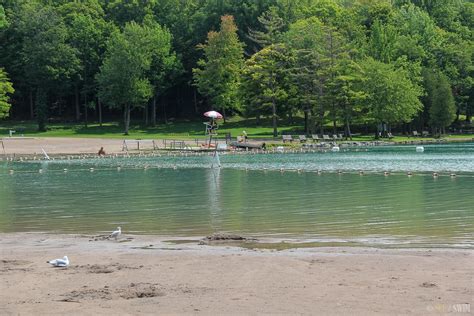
{"type": "Point", "coordinates": [147, 274]}
{"type": "Point", "coordinates": [13, 146]}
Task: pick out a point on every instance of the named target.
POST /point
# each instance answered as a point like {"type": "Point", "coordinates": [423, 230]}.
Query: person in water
{"type": "Point", "coordinates": [101, 151]}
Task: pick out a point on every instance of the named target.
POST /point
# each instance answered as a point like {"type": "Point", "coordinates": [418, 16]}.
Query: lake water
{"type": "Point", "coordinates": [249, 195]}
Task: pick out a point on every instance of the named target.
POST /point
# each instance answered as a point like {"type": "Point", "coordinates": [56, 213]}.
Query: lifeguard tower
{"type": "Point", "coordinates": [211, 126]}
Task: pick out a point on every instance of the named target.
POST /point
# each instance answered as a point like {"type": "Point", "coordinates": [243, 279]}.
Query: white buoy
{"type": "Point", "coordinates": [420, 149]}
{"type": "Point", "coordinates": [435, 174]}
{"type": "Point", "coordinates": [386, 173]}
{"type": "Point", "coordinates": [40, 171]}
{"type": "Point", "coordinates": [409, 173]}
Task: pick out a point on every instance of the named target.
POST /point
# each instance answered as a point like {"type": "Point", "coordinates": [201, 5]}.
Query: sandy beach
{"type": "Point", "coordinates": [149, 275]}
{"type": "Point", "coordinates": [61, 145]}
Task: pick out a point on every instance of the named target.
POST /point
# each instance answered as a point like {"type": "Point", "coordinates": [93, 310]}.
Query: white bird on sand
{"type": "Point", "coordinates": [116, 233]}
{"type": "Point", "coordinates": [64, 262]}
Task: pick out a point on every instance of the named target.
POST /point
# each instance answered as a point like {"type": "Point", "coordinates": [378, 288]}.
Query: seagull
{"type": "Point", "coordinates": [64, 262]}
{"type": "Point", "coordinates": [116, 233]}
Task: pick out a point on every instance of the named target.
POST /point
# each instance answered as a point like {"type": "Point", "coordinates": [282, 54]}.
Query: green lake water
{"type": "Point", "coordinates": [249, 195]}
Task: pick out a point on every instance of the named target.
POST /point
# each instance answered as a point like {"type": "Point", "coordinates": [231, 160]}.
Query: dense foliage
{"type": "Point", "coordinates": [372, 64]}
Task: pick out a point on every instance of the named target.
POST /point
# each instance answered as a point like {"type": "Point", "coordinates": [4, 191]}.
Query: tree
{"type": "Point", "coordinates": [3, 18]}
{"type": "Point", "coordinates": [265, 80]}
{"type": "Point", "coordinates": [391, 95]}
{"type": "Point", "coordinates": [346, 90]}
{"type": "Point", "coordinates": [48, 62]}
{"type": "Point", "coordinates": [6, 89]}
{"type": "Point", "coordinates": [165, 66]}
{"type": "Point", "coordinates": [439, 101]}
{"type": "Point", "coordinates": [217, 76]}
{"type": "Point", "coordinates": [87, 33]}
{"type": "Point", "coordinates": [321, 55]}
{"type": "Point", "coordinates": [272, 25]}
{"type": "Point", "coordinates": [123, 83]}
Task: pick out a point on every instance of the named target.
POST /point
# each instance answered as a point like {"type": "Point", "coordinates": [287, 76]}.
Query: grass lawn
{"type": "Point", "coordinates": [176, 130]}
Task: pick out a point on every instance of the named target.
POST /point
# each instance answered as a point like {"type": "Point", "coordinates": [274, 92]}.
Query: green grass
{"type": "Point", "coordinates": [176, 130]}
{"type": "Point", "coordinates": [179, 129]}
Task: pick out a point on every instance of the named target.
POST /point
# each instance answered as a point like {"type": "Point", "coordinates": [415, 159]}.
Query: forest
{"type": "Point", "coordinates": [350, 65]}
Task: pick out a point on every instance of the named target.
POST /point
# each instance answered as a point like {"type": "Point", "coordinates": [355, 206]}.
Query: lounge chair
{"type": "Point", "coordinates": [287, 138]}
{"type": "Point", "coordinates": [315, 138]}
{"type": "Point", "coordinates": [326, 137]}
{"type": "Point", "coordinates": [425, 133]}
{"type": "Point", "coordinates": [389, 135]}
{"type": "Point", "coordinates": [415, 134]}
{"type": "Point", "coordinates": [341, 137]}
{"type": "Point", "coordinates": [302, 138]}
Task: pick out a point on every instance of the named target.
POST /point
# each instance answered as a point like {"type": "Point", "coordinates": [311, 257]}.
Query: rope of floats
{"type": "Point", "coordinates": [409, 174]}
{"type": "Point", "coordinates": [153, 154]}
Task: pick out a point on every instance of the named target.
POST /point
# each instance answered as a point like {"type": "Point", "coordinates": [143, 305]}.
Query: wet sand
{"type": "Point", "coordinates": [147, 275]}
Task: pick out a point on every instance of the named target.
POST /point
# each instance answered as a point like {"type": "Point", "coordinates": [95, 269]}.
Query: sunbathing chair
{"type": "Point", "coordinates": [302, 138]}
{"type": "Point", "coordinates": [315, 138]}
{"type": "Point", "coordinates": [415, 134]}
{"type": "Point", "coordinates": [326, 137]}
{"type": "Point", "coordinates": [287, 138]}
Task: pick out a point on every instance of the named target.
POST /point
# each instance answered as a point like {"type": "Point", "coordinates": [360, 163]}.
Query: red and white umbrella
{"type": "Point", "coordinates": [213, 115]}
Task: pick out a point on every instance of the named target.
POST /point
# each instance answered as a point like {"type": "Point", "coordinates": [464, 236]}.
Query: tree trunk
{"type": "Point", "coordinates": [146, 114]}
{"type": "Point", "coordinates": [153, 111]}
{"type": "Point", "coordinates": [257, 119]}
{"type": "Point", "coordinates": [348, 129]}
{"type": "Point", "coordinates": [306, 118]}
{"type": "Point", "coordinates": [321, 109]}
{"type": "Point", "coordinates": [377, 132]}
{"type": "Point", "coordinates": [76, 95]}
{"type": "Point", "coordinates": [41, 109]}
{"type": "Point", "coordinates": [274, 119]}
{"type": "Point", "coordinates": [32, 110]}
{"type": "Point", "coordinates": [99, 104]}
{"type": "Point", "coordinates": [224, 114]}
{"type": "Point", "coordinates": [85, 109]}
{"type": "Point", "coordinates": [164, 110]}
{"type": "Point", "coordinates": [126, 119]}
{"type": "Point", "coordinates": [195, 102]}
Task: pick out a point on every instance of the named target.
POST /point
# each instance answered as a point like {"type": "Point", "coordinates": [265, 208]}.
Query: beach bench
{"type": "Point", "coordinates": [139, 143]}
{"type": "Point", "coordinates": [287, 138]}
{"type": "Point", "coordinates": [302, 138]}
